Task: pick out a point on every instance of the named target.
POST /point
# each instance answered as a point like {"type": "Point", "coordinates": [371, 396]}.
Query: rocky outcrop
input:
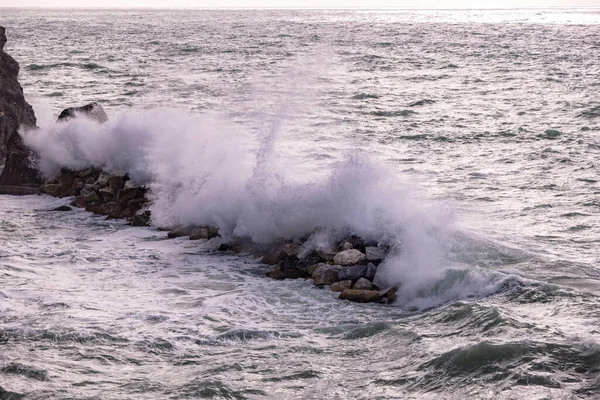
{"type": "Point", "coordinates": [91, 110]}
{"type": "Point", "coordinates": [15, 112]}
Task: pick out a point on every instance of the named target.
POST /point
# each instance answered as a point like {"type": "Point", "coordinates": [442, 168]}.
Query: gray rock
{"type": "Point", "coordinates": [363, 284]}
{"type": "Point", "coordinates": [181, 231]}
{"type": "Point", "coordinates": [326, 254]}
{"type": "Point", "coordinates": [325, 274]}
{"type": "Point", "coordinates": [199, 233]}
{"type": "Point", "coordinates": [131, 185]}
{"type": "Point", "coordinates": [375, 254]}
{"type": "Point", "coordinates": [291, 249]}
{"type": "Point", "coordinates": [62, 208]}
{"type": "Point", "coordinates": [345, 246]}
{"type": "Point", "coordinates": [91, 197]}
{"type": "Point", "coordinates": [361, 296]}
{"type": "Point", "coordinates": [102, 180]}
{"type": "Point", "coordinates": [349, 257]}
{"type": "Point", "coordinates": [107, 193]}
{"type": "Point", "coordinates": [280, 274]}
{"type": "Point", "coordinates": [370, 272]}
{"type": "Point", "coordinates": [92, 110]}
{"type": "Point", "coordinates": [352, 273]}
{"type": "Point", "coordinates": [341, 286]}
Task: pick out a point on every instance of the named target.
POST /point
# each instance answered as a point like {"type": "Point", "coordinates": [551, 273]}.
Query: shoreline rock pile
{"type": "Point", "coordinates": [349, 268]}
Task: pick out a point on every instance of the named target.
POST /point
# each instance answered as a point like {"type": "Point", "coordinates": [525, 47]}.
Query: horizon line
{"type": "Point", "coordinates": [298, 8]}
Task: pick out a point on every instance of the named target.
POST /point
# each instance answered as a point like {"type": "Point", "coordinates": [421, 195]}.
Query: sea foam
{"type": "Point", "coordinates": [204, 170]}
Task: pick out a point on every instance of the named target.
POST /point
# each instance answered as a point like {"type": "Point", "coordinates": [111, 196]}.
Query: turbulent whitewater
{"type": "Point", "coordinates": [466, 140]}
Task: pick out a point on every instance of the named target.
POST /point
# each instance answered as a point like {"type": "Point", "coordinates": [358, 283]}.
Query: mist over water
{"type": "Point", "coordinates": [466, 141]}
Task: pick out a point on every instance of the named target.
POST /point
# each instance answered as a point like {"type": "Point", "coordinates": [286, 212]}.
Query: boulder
{"type": "Point", "coordinates": [199, 233]}
{"type": "Point", "coordinates": [363, 284]}
{"type": "Point", "coordinates": [349, 257]}
{"type": "Point", "coordinates": [92, 110]}
{"type": "Point", "coordinates": [375, 254]}
{"type": "Point", "coordinates": [6, 395]}
{"type": "Point", "coordinates": [112, 210]}
{"type": "Point", "coordinates": [326, 254]}
{"type": "Point", "coordinates": [280, 274]}
{"type": "Point", "coordinates": [62, 208]}
{"type": "Point", "coordinates": [140, 218]}
{"type": "Point", "coordinates": [352, 273]}
{"type": "Point", "coordinates": [15, 112]}
{"type": "Point", "coordinates": [273, 256]}
{"type": "Point", "coordinates": [91, 197]}
{"type": "Point", "coordinates": [370, 272]}
{"type": "Point", "coordinates": [291, 249]}
{"type": "Point", "coordinates": [181, 231]}
{"type": "Point", "coordinates": [352, 242]}
{"type": "Point", "coordinates": [107, 193]}
{"type": "Point", "coordinates": [361, 296]}
{"type": "Point", "coordinates": [341, 286]}
{"type": "Point", "coordinates": [388, 295]}
{"type": "Point", "coordinates": [325, 274]}
{"type": "Point", "coordinates": [79, 202]}
{"type": "Point", "coordinates": [344, 246]}
{"type": "Point", "coordinates": [115, 182]}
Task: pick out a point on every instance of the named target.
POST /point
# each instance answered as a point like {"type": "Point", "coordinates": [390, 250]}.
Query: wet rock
{"type": "Point", "coordinates": [363, 284]}
{"type": "Point", "coordinates": [115, 182]}
{"type": "Point", "coordinates": [125, 195]}
{"type": "Point", "coordinates": [273, 257]}
{"type": "Point", "coordinates": [280, 274]}
{"type": "Point", "coordinates": [6, 395]}
{"type": "Point", "coordinates": [291, 249]}
{"type": "Point", "coordinates": [341, 286]}
{"type": "Point", "coordinates": [91, 197]}
{"type": "Point", "coordinates": [370, 272]}
{"type": "Point", "coordinates": [308, 260]}
{"type": "Point", "coordinates": [352, 273]}
{"type": "Point", "coordinates": [79, 202]}
{"type": "Point", "coordinates": [355, 241]}
{"type": "Point", "coordinates": [15, 112]}
{"type": "Point", "coordinates": [107, 194]}
{"type": "Point", "coordinates": [53, 189]}
{"type": "Point", "coordinates": [421, 103]}
{"type": "Point", "coordinates": [182, 231]}
{"type": "Point", "coordinates": [112, 210]}
{"type": "Point", "coordinates": [102, 180]}
{"type": "Point", "coordinates": [289, 262]}
{"type": "Point", "coordinates": [199, 233]}
{"type": "Point", "coordinates": [92, 110]}
{"type": "Point", "coordinates": [131, 185]}
{"type": "Point", "coordinates": [361, 296]}
{"type": "Point", "coordinates": [375, 254]}
{"type": "Point", "coordinates": [388, 296]}
{"type": "Point", "coordinates": [344, 246]}
{"type": "Point", "coordinates": [326, 254]}
{"type": "Point", "coordinates": [135, 204]}
{"type": "Point", "coordinates": [325, 274]}
{"type": "Point", "coordinates": [349, 257]}
{"type": "Point", "coordinates": [62, 208]}
{"type": "Point", "coordinates": [141, 218]}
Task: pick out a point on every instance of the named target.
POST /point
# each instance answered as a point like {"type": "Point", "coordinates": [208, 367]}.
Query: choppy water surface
{"type": "Point", "coordinates": [487, 120]}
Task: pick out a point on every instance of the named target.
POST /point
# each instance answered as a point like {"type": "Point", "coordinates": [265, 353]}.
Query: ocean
{"type": "Point", "coordinates": [468, 139]}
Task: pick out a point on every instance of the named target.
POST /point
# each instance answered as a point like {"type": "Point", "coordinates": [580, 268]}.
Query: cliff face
{"type": "Point", "coordinates": [14, 112]}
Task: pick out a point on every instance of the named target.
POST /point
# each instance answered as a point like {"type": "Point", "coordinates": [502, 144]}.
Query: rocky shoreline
{"type": "Point", "coordinates": [348, 267]}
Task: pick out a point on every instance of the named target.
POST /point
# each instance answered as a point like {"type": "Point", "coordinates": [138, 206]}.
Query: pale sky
{"type": "Point", "coordinates": [299, 3]}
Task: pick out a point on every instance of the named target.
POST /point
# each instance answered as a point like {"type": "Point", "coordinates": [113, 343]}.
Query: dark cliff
{"type": "Point", "coordinates": [14, 113]}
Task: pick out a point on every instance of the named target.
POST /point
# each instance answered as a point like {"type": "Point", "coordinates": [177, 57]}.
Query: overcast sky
{"type": "Point", "coordinates": [300, 3]}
